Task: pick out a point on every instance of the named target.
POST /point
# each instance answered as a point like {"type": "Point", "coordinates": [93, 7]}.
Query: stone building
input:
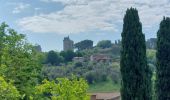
{"type": "Point", "coordinates": [151, 43]}
{"type": "Point", "coordinates": [68, 44]}
{"type": "Point", "coordinates": [78, 59]}
{"type": "Point", "coordinates": [37, 48]}
{"type": "Point", "coordinates": [100, 58]}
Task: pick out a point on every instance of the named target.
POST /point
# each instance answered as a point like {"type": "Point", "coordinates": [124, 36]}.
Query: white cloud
{"type": "Point", "coordinates": [20, 7]}
{"type": "Point", "coordinates": [90, 15]}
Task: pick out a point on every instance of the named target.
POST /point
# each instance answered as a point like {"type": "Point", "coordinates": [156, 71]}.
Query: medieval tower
{"type": "Point", "coordinates": [68, 44]}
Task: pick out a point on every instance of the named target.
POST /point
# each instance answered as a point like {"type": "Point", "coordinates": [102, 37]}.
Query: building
{"type": "Point", "coordinates": [68, 44]}
{"type": "Point", "coordinates": [78, 59]}
{"type": "Point", "coordinates": [151, 43]}
{"type": "Point", "coordinates": [100, 57]}
{"type": "Point", "coordinates": [37, 48]}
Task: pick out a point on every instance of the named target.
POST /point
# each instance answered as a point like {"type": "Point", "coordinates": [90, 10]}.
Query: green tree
{"type": "Point", "coordinates": [163, 60]}
{"type": "Point", "coordinates": [64, 89]}
{"type": "Point", "coordinates": [85, 44]}
{"type": "Point", "coordinates": [54, 58]}
{"type": "Point", "coordinates": [136, 75]}
{"type": "Point", "coordinates": [68, 55]}
{"type": "Point", "coordinates": [8, 91]}
{"type": "Point", "coordinates": [18, 61]}
{"type": "Point", "coordinates": [2, 39]}
{"type": "Point", "coordinates": [104, 44]}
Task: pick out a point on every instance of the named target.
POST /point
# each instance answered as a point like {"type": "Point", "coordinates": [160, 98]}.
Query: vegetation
{"type": "Point", "coordinates": [68, 55]}
{"type": "Point", "coordinates": [18, 61]}
{"type": "Point", "coordinates": [8, 91]}
{"type": "Point", "coordinates": [104, 44]}
{"type": "Point", "coordinates": [85, 44]}
{"type": "Point", "coordinates": [163, 60]}
{"type": "Point", "coordinates": [136, 75]}
{"type": "Point", "coordinates": [107, 86]}
{"type": "Point", "coordinates": [64, 89]}
{"type": "Point", "coordinates": [54, 58]}
{"type": "Point", "coordinates": [93, 73]}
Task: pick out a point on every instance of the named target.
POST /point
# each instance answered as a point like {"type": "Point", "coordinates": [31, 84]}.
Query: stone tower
{"type": "Point", "coordinates": [68, 44]}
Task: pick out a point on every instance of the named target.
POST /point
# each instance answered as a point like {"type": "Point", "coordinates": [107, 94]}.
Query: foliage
{"type": "Point", "coordinates": [64, 89]}
{"type": "Point", "coordinates": [163, 60]}
{"type": "Point", "coordinates": [115, 50]}
{"type": "Point", "coordinates": [107, 86]}
{"type": "Point", "coordinates": [53, 72]}
{"type": "Point", "coordinates": [68, 55]}
{"type": "Point", "coordinates": [104, 44]}
{"type": "Point", "coordinates": [85, 44]}
{"type": "Point", "coordinates": [18, 60]}
{"type": "Point", "coordinates": [151, 55]}
{"type": "Point", "coordinates": [136, 75]}
{"type": "Point", "coordinates": [92, 72]}
{"type": "Point", "coordinates": [54, 58]}
{"type": "Point", "coordinates": [8, 91]}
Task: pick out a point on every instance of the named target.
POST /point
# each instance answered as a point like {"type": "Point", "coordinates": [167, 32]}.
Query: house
{"type": "Point", "coordinates": [100, 58]}
{"type": "Point", "coordinates": [78, 59]}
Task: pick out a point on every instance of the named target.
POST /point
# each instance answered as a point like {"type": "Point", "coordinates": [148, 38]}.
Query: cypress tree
{"type": "Point", "coordinates": [163, 60]}
{"type": "Point", "coordinates": [136, 75]}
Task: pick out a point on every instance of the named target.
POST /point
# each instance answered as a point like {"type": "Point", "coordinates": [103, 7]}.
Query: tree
{"type": "Point", "coordinates": [104, 44]}
{"type": "Point", "coordinates": [53, 58]}
{"type": "Point", "coordinates": [136, 75]}
{"type": "Point", "coordinates": [3, 26]}
{"type": "Point", "coordinates": [18, 61]}
{"type": "Point", "coordinates": [64, 89]}
{"type": "Point", "coordinates": [163, 60]}
{"type": "Point", "coordinates": [68, 55]}
{"type": "Point", "coordinates": [85, 44]}
{"type": "Point", "coordinates": [8, 91]}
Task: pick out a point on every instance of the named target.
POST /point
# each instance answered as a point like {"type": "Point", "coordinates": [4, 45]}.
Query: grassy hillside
{"type": "Point", "coordinates": [107, 86]}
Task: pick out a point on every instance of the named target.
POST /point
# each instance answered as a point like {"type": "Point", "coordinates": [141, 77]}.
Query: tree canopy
{"type": "Point", "coordinates": [104, 44]}
{"type": "Point", "coordinates": [54, 58]}
{"type": "Point", "coordinates": [64, 89]}
{"type": "Point", "coordinates": [85, 44]}
{"type": "Point", "coordinates": [8, 91]}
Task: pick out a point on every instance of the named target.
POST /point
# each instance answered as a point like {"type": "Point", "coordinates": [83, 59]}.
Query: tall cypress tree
{"type": "Point", "coordinates": [136, 75]}
{"type": "Point", "coordinates": [163, 60]}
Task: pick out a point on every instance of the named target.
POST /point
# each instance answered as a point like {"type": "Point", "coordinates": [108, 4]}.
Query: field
{"type": "Point", "coordinates": [107, 86]}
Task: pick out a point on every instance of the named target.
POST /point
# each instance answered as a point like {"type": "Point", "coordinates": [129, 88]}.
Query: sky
{"type": "Point", "coordinates": [47, 22]}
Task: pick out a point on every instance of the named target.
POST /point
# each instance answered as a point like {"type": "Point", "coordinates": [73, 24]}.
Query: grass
{"type": "Point", "coordinates": [107, 86]}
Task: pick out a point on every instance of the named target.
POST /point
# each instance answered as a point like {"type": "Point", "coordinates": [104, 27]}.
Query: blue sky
{"type": "Point", "coordinates": [47, 22]}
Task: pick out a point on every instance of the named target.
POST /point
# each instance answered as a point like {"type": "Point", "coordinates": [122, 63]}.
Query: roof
{"type": "Point", "coordinates": [106, 96]}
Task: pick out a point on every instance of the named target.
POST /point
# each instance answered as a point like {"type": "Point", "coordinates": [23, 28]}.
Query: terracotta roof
{"type": "Point", "coordinates": [106, 96]}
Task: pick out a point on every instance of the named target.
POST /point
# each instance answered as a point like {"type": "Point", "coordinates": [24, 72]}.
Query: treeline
{"type": "Point", "coordinates": [136, 74]}
{"type": "Point", "coordinates": [56, 58]}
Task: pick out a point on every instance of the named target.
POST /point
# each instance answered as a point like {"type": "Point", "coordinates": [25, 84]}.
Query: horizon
{"type": "Point", "coordinates": [47, 22]}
